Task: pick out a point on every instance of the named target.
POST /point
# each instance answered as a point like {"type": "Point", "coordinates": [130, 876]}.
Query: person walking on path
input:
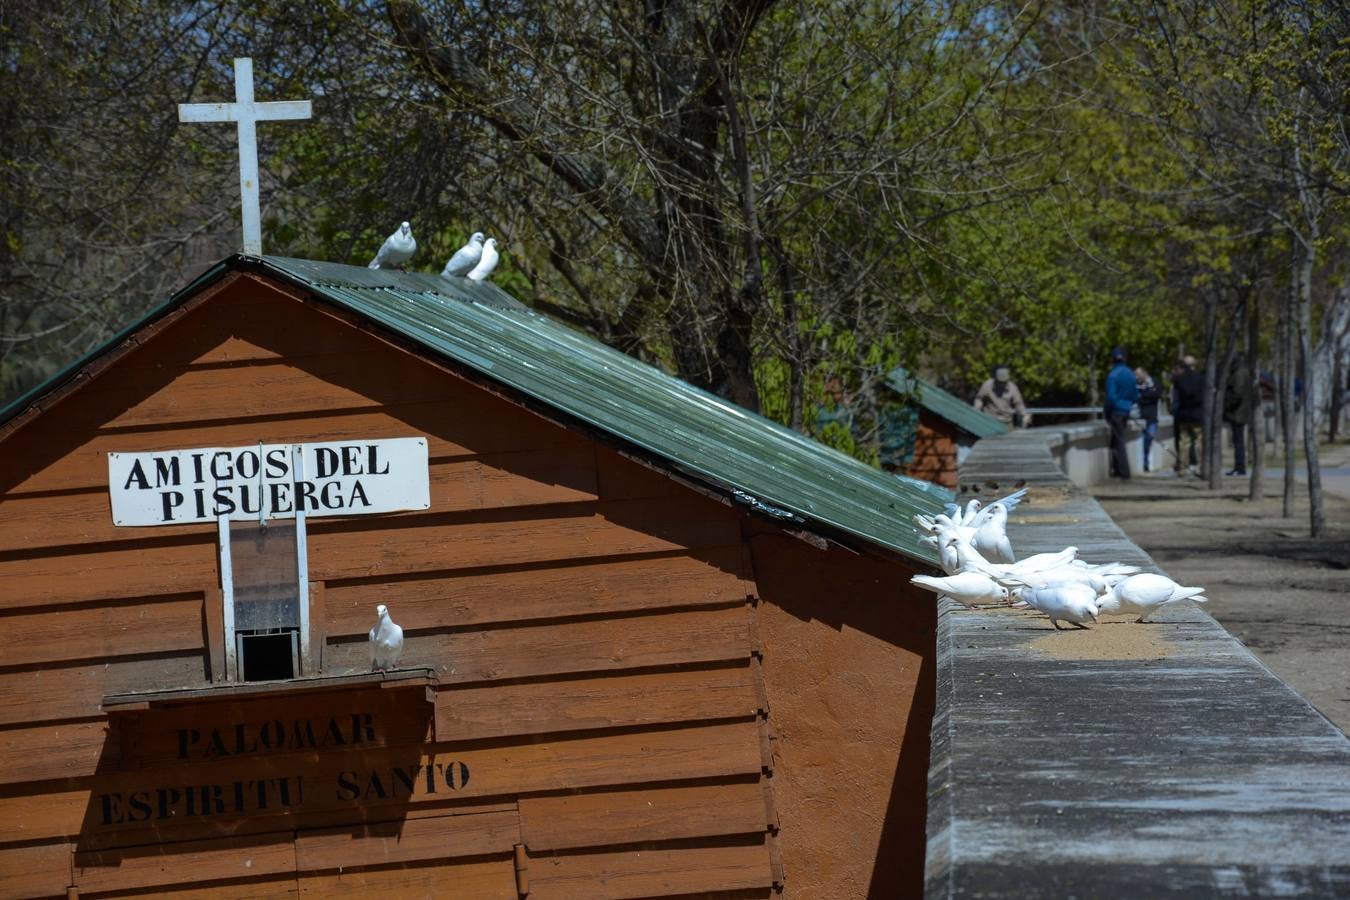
{"type": "Point", "coordinates": [1238, 401]}
{"type": "Point", "coordinates": [1188, 412]}
{"type": "Point", "coordinates": [1149, 395]}
{"type": "Point", "coordinates": [1121, 395]}
{"type": "Point", "coordinates": [1000, 398]}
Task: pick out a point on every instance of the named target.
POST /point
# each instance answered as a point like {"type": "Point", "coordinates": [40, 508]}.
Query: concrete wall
{"type": "Point", "coordinates": [1083, 449]}
{"type": "Point", "coordinates": [1156, 760]}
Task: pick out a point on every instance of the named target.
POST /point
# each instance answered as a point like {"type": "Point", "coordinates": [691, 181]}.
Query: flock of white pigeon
{"type": "Point", "coordinates": [972, 544]}
{"type": "Point", "coordinates": [976, 554]}
{"type": "Point", "coordinates": [475, 260]}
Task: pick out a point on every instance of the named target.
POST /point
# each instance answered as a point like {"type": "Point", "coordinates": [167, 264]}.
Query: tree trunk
{"type": "Point", "coordinates": [1316, 514]}
{"type": "Point", "coordinates": [1337, 394]}
{"type": "Point", "coordinates": [1287, 375]}
{"type": "Point", "coordinates": [1256, 487]}
{"type": "Point", "coordinates": [1333, 329]}
{"type": "Point", "coordinates": [795, 353]}
{"type": "Point", "coordinates": [1211, 364]}
{"type": "Point", "coordinates": [1220, 392]}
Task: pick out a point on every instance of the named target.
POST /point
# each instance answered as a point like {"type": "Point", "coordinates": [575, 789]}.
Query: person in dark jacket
{"type": "Point", "coordinates": [1121, 394]}
{"type": "Point", "coordinates": [1188, 412]}
{"type": "Point", "coordinates": [1149, 395]}
{"type": "Point", "coordinates": [1238, 401]}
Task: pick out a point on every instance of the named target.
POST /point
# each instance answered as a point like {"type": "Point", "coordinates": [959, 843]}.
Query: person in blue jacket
{"type": "Point", "coordinates": [1121, 394]}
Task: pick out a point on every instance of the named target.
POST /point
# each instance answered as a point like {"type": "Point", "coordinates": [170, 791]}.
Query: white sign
{"type": "Point", "coordinates": [269, 481]}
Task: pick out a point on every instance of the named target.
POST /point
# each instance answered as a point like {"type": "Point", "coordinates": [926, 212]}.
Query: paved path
{"type": "Point", "coordinates": [1285, 596]}
{"type": "Point", "coordinates": [1334, 463]}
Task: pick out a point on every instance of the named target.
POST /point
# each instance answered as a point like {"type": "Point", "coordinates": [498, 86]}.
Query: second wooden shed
{"type": "Point", "coordinates": [946, 428]}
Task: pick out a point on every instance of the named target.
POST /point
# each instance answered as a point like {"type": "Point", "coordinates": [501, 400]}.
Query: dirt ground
{"type": "Point", "coordinates": [1284, 595]}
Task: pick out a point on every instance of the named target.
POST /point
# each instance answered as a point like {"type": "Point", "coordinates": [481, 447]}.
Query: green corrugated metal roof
{"type": "Point", "coordinates": [763, 465]}
{"type": "Point", "coordinates": [944, 405]}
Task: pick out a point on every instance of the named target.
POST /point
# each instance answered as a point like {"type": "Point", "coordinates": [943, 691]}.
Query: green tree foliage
{"type": "Point", "coordinates": [778, 200]}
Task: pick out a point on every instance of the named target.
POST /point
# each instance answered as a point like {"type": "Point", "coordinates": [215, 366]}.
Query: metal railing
{"type": "Point", "coordinates": [1094, 412]}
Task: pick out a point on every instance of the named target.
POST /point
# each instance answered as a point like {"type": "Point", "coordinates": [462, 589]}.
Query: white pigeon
{"type": "Point", "coordinates": [486, 263]}
{"type": "Point", "coordinates": [1058, 576]}
{"type": "Point", "coordinates": [397, 249]}
{"type": "Point", "coordinates": [1040, 561]}
{"type": "Point", "coordinates": [1146, 594]}
{"type": "Point", "coordinates": [949, 555]}
{"type": "Point", "coordinates": [957, 554]}
{"type": "Point", "coordinates": [1073, 603]}
{"type": "Point", "coordinates": [991, 537]}
{"type": "Point", "coordinates": [465, 258]}
{"type": "Point", "coordinates": [975, 514]}
{"type": "Point", "coordinates": [969, 588]}
{"type": "Point", "coordinates": [386, 641]}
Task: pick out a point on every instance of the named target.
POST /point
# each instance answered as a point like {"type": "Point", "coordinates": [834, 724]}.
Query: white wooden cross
{"type": "Point", "coordinates": [247, 113]}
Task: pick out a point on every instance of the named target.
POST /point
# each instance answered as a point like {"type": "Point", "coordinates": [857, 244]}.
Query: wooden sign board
{"type": "Point", "coordinates": [269, 481]}
{"type": "Point", "coordinates": [264, 756]}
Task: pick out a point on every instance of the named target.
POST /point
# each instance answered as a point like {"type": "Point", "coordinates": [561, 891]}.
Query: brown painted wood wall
{"type": "Point", "coordinates": [597, 632]}
{"type": "Point", "coordinates": [934, 451]}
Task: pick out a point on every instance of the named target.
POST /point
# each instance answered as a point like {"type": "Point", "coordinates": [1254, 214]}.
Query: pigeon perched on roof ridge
{"type": "Point", "coordinates": [487, 263]}
{"type": "Point", "coordinates": [465, 258]}
{"type": "Point", "coordinates": [397, 249]}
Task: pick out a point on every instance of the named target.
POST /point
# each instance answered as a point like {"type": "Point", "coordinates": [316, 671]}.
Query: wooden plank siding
{"type": "Point", "coordinates": [589, 621]}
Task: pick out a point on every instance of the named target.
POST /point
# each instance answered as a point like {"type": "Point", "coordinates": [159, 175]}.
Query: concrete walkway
{"type": "Point", "coordinates": [1159, 760]}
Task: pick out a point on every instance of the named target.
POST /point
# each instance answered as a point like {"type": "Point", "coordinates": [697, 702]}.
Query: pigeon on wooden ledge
{"type": "Point", "coordinates": [386, 642]}
{"type": "Point", "coordinates": [397, 249]}
{"type": "Point", "coordinates": [1072, 602]}
{"type": "Point", "coordinates": [1145, 594]}
{"type": "Point", "coordinates": [487, 263]}
{"type": "Point", "coordinates": [465, 258]}
{"type": "Point", "coordinates": [966, 588]}
{"type": "Point", "coordinates": [991, 538]}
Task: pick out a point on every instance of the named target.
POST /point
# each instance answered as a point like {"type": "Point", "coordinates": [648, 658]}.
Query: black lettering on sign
{"type": "Point", "coordinates": [276, 736]}
{"type": "Point", "coordinates": [246, 466]}
{"type": "Point", "coordinates": [347, 789]}
{"type": "Point", "coordinates": [171, 501]}
{"type": "Point", "coordinates": [137, 475]}
{"type": "Point", "coordinates": [221, 472]}
{"type": "Point", "coordinates": [167, 472]}
{"type": "Point", "coordinates": [140, 807]}
{"type": "Point", "coordinates": [277, 467]}
{"type": "Point", "coordinates": [407, 779]}
{"type": "Point", "coordinates": [229, 800]}
{"type": "Point", "coordinates": [281, 497]}
{"type": "Point", "coordinates": [326, 462]}
{"type": "Point", "coordinates": [351, 461]}
{"type": "Point", "coordinates": [373, 461]}
{"type": "Point", "coordinates": [304, 496]}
